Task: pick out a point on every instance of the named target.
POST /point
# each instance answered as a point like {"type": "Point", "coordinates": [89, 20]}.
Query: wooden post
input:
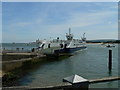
{"type": "Point", "coordinates": [110, 60]}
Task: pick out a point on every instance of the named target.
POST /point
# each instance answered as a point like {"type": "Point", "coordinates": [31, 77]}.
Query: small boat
{"type": "Point", "coordinates": [110, 45]}
{"type": "Point", "coordinates": [63, 46]}
{"type": "Point", "coordinates": [102, 43]}
{"type": "Point", "coordinates": [13, 42]}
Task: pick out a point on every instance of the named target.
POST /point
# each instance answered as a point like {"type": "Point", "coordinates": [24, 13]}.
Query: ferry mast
{"type": "Point", "coordinates": [69, 36]}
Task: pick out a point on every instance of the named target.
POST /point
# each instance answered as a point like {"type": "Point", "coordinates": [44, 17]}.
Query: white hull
{"type": "Point", "coordinates": [63, 46]}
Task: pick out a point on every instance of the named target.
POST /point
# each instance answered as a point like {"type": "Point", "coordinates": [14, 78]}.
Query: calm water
{"type": "Point", "coordinates": [90, 63]}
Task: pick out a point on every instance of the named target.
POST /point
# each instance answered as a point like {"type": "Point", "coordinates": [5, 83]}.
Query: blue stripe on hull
{"type": "Point", "coordinates": [69, 50]}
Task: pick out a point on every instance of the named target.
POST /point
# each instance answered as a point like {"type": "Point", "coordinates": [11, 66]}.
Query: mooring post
{"type": "Point", "coordinates": [78, 83]}
{"type": "Point", "coordinates": [110, 60]}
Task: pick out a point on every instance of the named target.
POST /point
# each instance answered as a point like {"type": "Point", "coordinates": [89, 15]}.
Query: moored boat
{"type": "Point", "coordinates": [110, 45]}
{"type": "Point", "coordinates": [63, 46]}
{"type": "Point", "coordinates": [71, 45]}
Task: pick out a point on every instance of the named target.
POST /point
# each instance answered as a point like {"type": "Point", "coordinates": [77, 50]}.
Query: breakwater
{"type": "Point", "coordinates": [11, 61]}
{"type": "Point", "coordinates": [14, 63]}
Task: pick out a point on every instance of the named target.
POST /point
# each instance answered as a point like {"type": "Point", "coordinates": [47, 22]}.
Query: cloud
{"type": "Point", "coordinates": [86, 19]}
{"type": "Point", "coordinates": [53, 22]}
{"type": "Point", "coordinates": [109, 22]}
{"type": "Point", "coordinates": [21, 24]}
{"type": "Point", "coordinates": [88, 22]}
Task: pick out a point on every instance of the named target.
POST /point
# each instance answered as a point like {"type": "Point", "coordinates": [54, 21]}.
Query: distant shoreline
{"type": "Point", "coordinates": [101, 43]}
{"type": "Point", "coordinates": [88, 41]}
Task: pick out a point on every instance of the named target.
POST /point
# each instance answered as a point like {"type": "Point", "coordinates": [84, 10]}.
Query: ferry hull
{"type": "Point", "coordinates": [69, 50]}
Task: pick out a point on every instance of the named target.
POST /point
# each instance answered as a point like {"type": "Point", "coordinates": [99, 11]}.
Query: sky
{"type": "Point", "coordinates": [29, 21]}
{"type": "Point", "coordinates": [60, 0]}
{"type": "Point", "coordinates": [0, 22]}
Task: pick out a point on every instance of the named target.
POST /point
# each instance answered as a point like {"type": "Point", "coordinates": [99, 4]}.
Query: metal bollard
{"type": "Point", "coordinates": [78, 83]}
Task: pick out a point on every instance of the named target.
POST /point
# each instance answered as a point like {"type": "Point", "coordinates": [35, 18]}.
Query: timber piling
{"type": "Point", "coordinates": [110, 61]}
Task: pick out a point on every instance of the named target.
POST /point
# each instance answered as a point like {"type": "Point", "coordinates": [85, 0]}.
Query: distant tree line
{"type": "Point", "coordinates": [98, 41]}
{"type": "Point", "coordinates": [116, 41]}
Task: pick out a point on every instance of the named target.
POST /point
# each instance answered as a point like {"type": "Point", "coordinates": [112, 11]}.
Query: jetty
{"type": "Point", "coordinates": [107, 79]}
{"type": "Point", "coordinates": [80, 85]}
{"type": "Point", "coordinates": [11, 61]}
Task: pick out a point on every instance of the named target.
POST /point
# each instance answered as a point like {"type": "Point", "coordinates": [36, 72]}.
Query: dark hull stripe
{"type": "Point", "coordinates": [69, 50]}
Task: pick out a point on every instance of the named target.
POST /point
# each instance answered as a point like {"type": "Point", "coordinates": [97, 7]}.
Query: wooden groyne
{"type": "Point", "coordinates": [64, 86]}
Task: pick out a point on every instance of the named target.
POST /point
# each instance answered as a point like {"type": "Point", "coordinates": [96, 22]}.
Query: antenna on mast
{"type": "Point", "coordinates": [84, 34]}
{"type": "Point", "coordinates": [84, 38]}
{"type": "Point", "coordinates": [69, 31]}
{"type": "Point", "coordinates": [69, 36]}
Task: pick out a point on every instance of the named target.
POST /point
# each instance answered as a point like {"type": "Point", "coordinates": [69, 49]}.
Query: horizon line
{"type": "Point", "coordinates": [59, 1]}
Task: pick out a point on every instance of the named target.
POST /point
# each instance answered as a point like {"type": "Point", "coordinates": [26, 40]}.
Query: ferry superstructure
{"type": "Point", "coordinates": [63, 46]}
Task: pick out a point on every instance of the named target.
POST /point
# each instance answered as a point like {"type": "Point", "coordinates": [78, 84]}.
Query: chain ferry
{"type": "Point", "coordinates": [70, 45]}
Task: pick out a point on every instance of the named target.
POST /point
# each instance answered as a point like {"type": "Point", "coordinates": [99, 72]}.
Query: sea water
{"type": "Point", "coordinates": [91, 63]}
